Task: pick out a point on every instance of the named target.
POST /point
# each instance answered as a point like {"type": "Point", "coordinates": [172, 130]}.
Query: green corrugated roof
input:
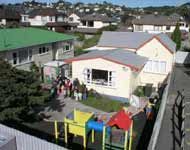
{"type": "Point", "coordinates": [25, 37]}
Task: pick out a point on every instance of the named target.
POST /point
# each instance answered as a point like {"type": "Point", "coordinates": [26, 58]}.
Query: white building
{"type": "Point", "coordinates": [74, 18]}
{"type": "Point", "coordinates": [40, 17]}
{"type": "Point", "coordinates": [159, 24]}
{"type": "Point", "coordinates": [122, 61]}
{"type": "Point", "coordinates": [9, 17]}
{"type": "Point", "coordinates": [23, 46]}
{"type": "Point", "coordinates": [95, 21]}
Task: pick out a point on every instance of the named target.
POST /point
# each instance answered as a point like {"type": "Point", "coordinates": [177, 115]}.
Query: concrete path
{"type": "Point", "coordinates": [169, 137]}
{"type": "Point", "coordinates": [61, 107]}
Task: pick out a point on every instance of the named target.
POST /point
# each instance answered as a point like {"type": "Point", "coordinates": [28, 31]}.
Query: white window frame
{"type": "Point", "coordinates": [43, 47]}
{"type": "Point", "coordinates": [158, 28]}
{"type": "Point", "coordinates": [87, 74]}
{"type": "Point", "coordinates": [65, 45]}
{"type": "Point", "coordinates": [139, 27]}
{"type": "Point", "coordinates": [151, 68]}
{"type": "Point", "coordinates": [29, 57]}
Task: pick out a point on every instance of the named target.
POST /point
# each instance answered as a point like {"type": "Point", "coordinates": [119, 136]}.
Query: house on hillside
{"type": "Point", "coordinates": [155, 23]}
{"type": "Point", "coordinates": [75, 18]}
{"type": "Point", "coordinates": [48, 17]}
{"type": "Point", "coordinates": [90, 24]}
{"type": "Point", "coordinates": [23, 46]}
{"type": "Point", "coordinates": [122, 61]}
{"type": "Point", "coordinates": [9, 17]}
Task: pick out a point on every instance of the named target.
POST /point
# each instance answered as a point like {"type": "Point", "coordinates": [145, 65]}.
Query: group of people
{"type": "Point", "coordinates": [68, 88]}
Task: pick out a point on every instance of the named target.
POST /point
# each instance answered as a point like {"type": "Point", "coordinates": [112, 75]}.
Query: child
{"type": "Point", "coordinates": [84, 93]}
{"type": "Point", "coordinates": [76, 94]}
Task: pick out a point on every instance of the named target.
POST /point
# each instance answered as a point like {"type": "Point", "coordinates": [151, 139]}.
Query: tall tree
{"type": "Point", "coordinates": [20, 91]}
{"type": "Point", "coordinates": [176, 37]}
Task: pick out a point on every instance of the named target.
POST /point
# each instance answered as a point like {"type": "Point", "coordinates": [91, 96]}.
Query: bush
{"type": "Point", "coordinates": [186, 49]}
{"type": "Point", "coordinates": [78, 51]}
{"type": "Point", "coordinates": [139, 91]}
{"type": "Point", "coordinates": [80, 36]}
{"type": "Point", "coordinates": [91, 41]}
{"type": "Point", "coordinates": [108, 28]}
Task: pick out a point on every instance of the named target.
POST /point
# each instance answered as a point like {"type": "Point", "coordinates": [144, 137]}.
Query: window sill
{"type": "Point", "coordinates": [67, 51]}
{"type": "Point", "coordinates": [43, 54]}
{"type": "Point", "coordinates": [24, 63]}
{"type": "Point", "coordinates": [102, 86]}
{"type": "Point", "coordinates": [158, 73]}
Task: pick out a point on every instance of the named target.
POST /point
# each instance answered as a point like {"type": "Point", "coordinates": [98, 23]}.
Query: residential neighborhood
{"type": "Point", "coordinates": [94, 75]}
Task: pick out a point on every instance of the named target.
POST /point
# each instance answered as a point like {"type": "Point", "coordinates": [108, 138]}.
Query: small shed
{"type": "Point", "coordinates": [53, 68]}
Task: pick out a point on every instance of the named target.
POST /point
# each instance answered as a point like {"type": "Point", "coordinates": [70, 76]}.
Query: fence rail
{"type": "Point", "coordinates": [159, 118]}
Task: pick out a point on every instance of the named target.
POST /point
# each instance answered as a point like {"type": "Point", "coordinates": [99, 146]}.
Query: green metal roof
{"type": "Point", "coordinates": [24, 37]}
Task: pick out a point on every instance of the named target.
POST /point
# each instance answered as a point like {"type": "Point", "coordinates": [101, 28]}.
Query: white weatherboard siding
{"type": "Point", "coordinates": [155, 51]}
{"type": "Point", "coordinates": [153, 29]}
{"type": "Point", "coordinates": [41, 20]}
{"type": "Point", "coordinates": [123, 76]}
{"type": "Point", "coordinates": [97, 25]}
{"type": "Point", "coordinates": [73, 18]}
{"type": "Point", "coordinates": [158, 29]}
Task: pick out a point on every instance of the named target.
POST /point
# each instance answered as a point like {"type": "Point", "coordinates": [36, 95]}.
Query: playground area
{"type": "Point", "coordinates": [62, 109]}
{"type": "Point", "coordinates": [74, 121]}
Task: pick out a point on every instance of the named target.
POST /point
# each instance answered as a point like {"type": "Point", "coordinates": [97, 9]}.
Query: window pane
{"type": "Point", "coordinates": [148, 66]}
{"type": "Point", "coordinates": [14, 58]}
{"type": "Point", "coordinates": [44, 49]}
{"type": "Point", "coordinates": [30, 54]}
{"type": "Point", "coordinates": [155, 66]}
{"type": "Point", "coordinates": [40, 50]}
{"type": "Point", "coordinates": [23, 56]}
{"type": "Point", "coordinates": [67, 47]}
{"type": "Point", "coordinates": [162, 67]}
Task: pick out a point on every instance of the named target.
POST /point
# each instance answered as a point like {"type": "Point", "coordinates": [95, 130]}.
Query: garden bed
{"type": "Point", "coordinates": [104, 103]}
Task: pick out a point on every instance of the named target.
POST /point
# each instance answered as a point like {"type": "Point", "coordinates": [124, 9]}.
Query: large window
{"type": "Point", "coordinates": [155, 66]}
{"type": "Point", "coordinates": [157, 28]}
{"type": "Point", "coordinates": [138, 28]}
{"type": "Point", "coordinates": [99, 77]}
{"type": "Point", "coordinates": [168, 27]}
{"type": "Point", "coordinates": [91, 23]}
{"type": "Point", "coordinates": [84, 23]}
{"type": "Point", "coordinates": [22, 56]}
{"type": "Point", "coordinates": [43, 50]}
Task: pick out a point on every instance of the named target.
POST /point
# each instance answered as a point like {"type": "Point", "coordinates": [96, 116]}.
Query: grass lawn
{"type": "Point", "coordinates": [104, 104]}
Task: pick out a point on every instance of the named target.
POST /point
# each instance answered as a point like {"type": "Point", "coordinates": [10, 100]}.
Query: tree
{"type": "Point", "coordinates": [176, 37]}
{"type": "Point", "coordinates": [20, 91]}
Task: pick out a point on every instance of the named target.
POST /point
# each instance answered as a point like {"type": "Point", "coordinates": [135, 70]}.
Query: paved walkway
{"type": "Point", "coordinates": [61, 107]}
{"type": "Point", "coordinates": [169, 137]}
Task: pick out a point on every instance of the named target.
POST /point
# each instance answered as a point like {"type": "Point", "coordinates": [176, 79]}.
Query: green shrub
{"type": "Point", "coordinates": [80, 36]}
{"type": "Point", "coordinates": [139, 91]}
{"type": "Point", "coordinates": [78, 51]}
{"type": "Point", "coordinates": [91, 41]}
{"type": "Point", "coordinates": [108, 28]}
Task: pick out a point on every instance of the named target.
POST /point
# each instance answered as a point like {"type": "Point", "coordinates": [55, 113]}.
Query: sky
{"type": "Point", "coordinates": [129, 3]}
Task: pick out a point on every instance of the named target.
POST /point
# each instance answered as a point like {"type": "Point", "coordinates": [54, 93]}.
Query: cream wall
{"type": "Point", "coordinates": [154, 50]}
{"type": "Point", "coordinates": [123, 76]}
